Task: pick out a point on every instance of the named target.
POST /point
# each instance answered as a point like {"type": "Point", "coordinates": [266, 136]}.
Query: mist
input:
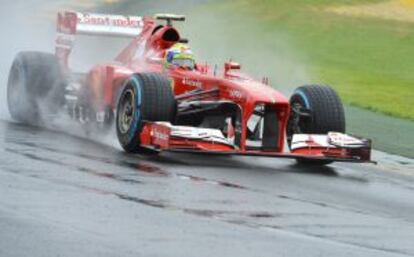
{"type": "Point", "coordinates": [25, 26]}
{"type": "Point", "coordinates": [219, 37]}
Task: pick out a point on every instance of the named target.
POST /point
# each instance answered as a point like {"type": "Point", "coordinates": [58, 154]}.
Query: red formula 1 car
{"type": "Point", "coordinates": [159, 103]}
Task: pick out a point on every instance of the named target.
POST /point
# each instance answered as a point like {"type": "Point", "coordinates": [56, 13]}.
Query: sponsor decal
{"type": "Point", "coordinates": [344, 140]}
{"type": "Point", "coordinates": [233, 93]}
{"type": "Point", "coordinates": [64, 40]}
{"type": "Point", "coordinates": [191, 82]}
{"type": "Point", "coordinates": [160, 135]}
{"type": "Point", "coordinates": [105, 20]}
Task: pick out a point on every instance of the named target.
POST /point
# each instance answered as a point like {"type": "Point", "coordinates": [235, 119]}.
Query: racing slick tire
{"type": "Point", "coordinates": [35, 87]}
{"type": "Point", "coordinates": [315, 109]}
{"type": "Point", "coordinates": [144, 97]}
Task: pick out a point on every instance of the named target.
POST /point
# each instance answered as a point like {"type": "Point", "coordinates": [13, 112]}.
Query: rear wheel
{"type": "Point", "coordinates": [145, 97]}
{"type": "Point", "coordinates": [315, 110]}
{"type": "Point", "coordinates": [35, 87]}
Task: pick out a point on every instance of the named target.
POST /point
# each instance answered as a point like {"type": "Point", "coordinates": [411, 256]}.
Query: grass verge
{"type": "Point", "coordinates": [368, 60]}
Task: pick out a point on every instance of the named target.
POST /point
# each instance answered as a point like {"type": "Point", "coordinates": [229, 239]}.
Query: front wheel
{"type": "Point", "coordinates": [145, 97]}
{"type": "Point", "coordinates": [315, 110]}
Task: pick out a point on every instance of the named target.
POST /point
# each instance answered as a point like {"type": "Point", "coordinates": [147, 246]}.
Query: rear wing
{"type": "Point", "coordinates": [99, 24]}
{"type": "Point", "coordinates": [70, 24]}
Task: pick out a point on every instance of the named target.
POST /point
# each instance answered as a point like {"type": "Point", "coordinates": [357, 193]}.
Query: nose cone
{"type": "Point", "coordinates": [260, 92]}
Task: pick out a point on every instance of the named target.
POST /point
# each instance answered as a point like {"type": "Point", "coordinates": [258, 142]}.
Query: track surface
{"type": "Point", "coordinates": [68, 196]}
{"type": "Point", "coordinates": [62, 195]}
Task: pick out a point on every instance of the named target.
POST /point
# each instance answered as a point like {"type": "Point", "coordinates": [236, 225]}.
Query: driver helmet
{"type": "Point", "coordinates": [180, 55]}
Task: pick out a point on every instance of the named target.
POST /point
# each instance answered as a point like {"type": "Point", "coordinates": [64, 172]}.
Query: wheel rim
{"type": "Point", "coordinates": [127, 111]}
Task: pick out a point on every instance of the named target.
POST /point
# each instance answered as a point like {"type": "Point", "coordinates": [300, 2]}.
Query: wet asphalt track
{"type": "Point", "coordinates": [62, 195]}
{"type": "Point", "coordinates": [68, 196]}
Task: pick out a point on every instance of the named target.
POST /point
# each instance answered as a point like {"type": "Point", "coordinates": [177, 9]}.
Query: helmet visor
{"type": "Point", "coordinates": [184, 63]}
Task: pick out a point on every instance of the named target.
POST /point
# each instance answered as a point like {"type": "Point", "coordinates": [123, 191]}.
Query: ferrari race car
{"type": "Point", "coordinates": [160, 99]}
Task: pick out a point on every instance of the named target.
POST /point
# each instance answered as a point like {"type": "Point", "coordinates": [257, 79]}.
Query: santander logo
{"type": "Point", "coordinates": [109, 20]}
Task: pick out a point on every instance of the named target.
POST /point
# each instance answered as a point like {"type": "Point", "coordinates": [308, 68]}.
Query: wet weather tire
{"type": "Point", "coordinates": [35, 86]}
{"type": "Point", "coordinates": [324, 109]}
{"type": "Point", "coordinates": [145, 97]}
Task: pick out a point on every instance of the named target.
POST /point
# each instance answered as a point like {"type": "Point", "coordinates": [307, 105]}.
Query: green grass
{"type": "Point", "coordinates": [369, 61]}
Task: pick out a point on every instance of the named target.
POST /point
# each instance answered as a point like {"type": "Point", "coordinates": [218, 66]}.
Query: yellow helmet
{"type": "Point", "coordinates": [180, 55]}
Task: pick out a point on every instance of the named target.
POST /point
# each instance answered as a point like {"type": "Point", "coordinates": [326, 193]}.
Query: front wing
{"type": "Point", "coordinates": [338, 147]}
